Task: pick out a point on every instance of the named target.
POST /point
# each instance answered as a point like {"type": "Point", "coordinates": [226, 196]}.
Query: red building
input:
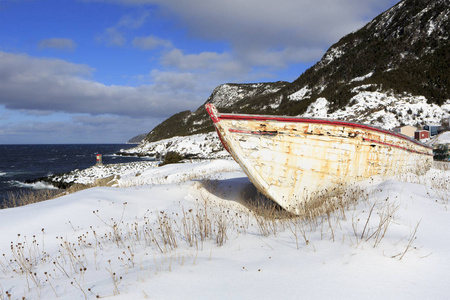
{"type": "Point", "coordinates": [421, 135]}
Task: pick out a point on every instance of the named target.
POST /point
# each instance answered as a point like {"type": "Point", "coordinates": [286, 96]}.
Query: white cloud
{"type": "Point", "coordinates": [166, 80]}
{"type": "Point", "coordinates": [204, 60]}
{"type": "Point", "coordinates": [133, 21]}
{"type": "Point", "coordinates": [280, 58]}
{"type": "Point", "coordinates": [80, 128]}
{"type": "Point", "coordinates": [269, 32]}
{"type": "Point", "coordinates": [28, 83]}
{"type": "Point", "coordinates": [218, 67]}
{"type": "Point", "coordinates": [114, 35]}
{"type": "Point", "coordinates": [57, 43]}
{"type": "Point", "coordinates": [150, 43]}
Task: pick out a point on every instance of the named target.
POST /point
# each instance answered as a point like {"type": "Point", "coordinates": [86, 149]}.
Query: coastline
{"type": "Point", "coordinates": [91, 175]}
{"type": "Point", "coordinates": [198, 147]}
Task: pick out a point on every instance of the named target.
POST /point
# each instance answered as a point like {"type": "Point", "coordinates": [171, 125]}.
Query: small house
{"type": "Point", "coordinates": [406, 130]}
{"type": "Point", "coordinates": [433, 129]}
{"type": "Point", "coordinates": [421, 135]}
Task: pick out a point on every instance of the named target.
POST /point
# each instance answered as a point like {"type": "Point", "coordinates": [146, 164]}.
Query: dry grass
{"type": "Point", "coordinates": [325, 213]}
{"type": "Point", "coordinates": [25, 197]}
{"type": "Point", "coordinates": [79, 187]}
{"type": "Point", "coordinates": [441, 165]}
{"type": "Point", "coordinates": [159, 235]}
{"type": "Point", "coordinates": [326, 216]}
{"type": "Point", "coordinates": [436, 182]}
{"type": "Point", "coordinates": [440, 187]}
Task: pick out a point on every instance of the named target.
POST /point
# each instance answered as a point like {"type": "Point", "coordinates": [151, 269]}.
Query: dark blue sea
{"type": "Point", "coordinates": [19, 163]}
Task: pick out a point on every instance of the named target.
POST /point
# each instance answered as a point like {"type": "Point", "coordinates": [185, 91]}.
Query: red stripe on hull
{"type": "Point", "coordinates": [314, 121]}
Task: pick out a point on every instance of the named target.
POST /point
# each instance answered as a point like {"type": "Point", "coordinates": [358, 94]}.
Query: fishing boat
{"type": "Point", "coordinates": [292, 160]}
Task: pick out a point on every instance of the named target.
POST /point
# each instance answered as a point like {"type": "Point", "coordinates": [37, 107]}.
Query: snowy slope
{"type": "Point", "coordinates": [382, 110]}
{"type": "Point", "coordinates": [226, 95]}
{"type": "Point", "coordinates": [443, 138]}
{"type": "Point", "coordinates": [206, 146]}
{"type": "Point", "coordinates": [142, 241]}
{"type": "Point", "coordinates": [90, 175]}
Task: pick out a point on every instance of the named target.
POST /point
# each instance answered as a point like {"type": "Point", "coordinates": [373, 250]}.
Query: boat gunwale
{"type": "Point", "coordinates": [286, 119]}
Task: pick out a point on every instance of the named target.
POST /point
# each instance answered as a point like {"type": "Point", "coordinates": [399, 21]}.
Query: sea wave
{"type": "Point", "coordinates": [2, 173]}
{"type": "Point", "coordinates": [35, 185]}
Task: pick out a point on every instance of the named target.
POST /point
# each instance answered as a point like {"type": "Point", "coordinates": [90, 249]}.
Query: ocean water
{"type": "Point", "coordinates": [19, 163]}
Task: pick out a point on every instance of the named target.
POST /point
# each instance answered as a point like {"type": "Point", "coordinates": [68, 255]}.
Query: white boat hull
{"type": "Point", "coordinates": [292, 160]}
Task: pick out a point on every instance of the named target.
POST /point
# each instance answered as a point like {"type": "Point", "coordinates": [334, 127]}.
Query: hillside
{"type": "Point", "coordinates": [403, 51]}
{"type": "Point", "coordinates": [393, 71]}
{"type": "Point", "coordinates": [224, 96]}
{"type": "Point", "coordinates": [137, 139]}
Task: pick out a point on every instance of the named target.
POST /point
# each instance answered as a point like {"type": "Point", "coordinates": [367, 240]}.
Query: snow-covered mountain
{"type": "Point", "coordinates": [393, 71]}
{"type": "Point", "coordinates": [224, 96]}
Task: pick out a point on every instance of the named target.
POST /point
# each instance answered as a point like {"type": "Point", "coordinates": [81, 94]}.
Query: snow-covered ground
{"type": "Point", "coordinates": [443, 138]}
{"type": "Point", "coordinates": [205, 145]}
{"type": "Point", "coordinates": [383, 110]}
{"type": "Point", "coordinates": [90, 175]}
{"type": "Point", "coordinates": [184, 231]}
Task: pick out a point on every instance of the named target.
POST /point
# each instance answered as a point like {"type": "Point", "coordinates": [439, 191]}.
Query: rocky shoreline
{"type": "Point", "coordinates": [96, 175]}
{"type": "Point", "coordinates": [196, 147]}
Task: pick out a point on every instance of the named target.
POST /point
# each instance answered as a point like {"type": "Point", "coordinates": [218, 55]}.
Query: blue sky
{"type": "Point", "coordinates": [103, 71]}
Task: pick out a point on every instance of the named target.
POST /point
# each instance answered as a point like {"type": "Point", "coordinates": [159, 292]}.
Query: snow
{"type": "Point", "coordinates": [317, 109]}
{"type": "Point", "coordinates": [226, 95]}
{"type": "Point", "coordinates": [90, 175]}
{"type": "Point", "coordinates": [383, 110]}
{"type": "Point", "coordinates": [199, 145]}
{"type": "Point", "coordinates": [102, 241]}
{"type": "Point", "coordinates": [331, 55]}
{"type": "Point", "coordinates": [431, 28]}
{"type": "Point", "coordinates": [275, 102]}
{"type": "Point", "coordinates": [300, 94]}
{"type": "Point", "coordinates": [362, 78]}
{"type": "Point", "coordinates": [443, 138]}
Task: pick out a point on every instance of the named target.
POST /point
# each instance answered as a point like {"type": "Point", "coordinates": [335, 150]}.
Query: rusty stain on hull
{"type": "Point", "coordinates": [292, 159]}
